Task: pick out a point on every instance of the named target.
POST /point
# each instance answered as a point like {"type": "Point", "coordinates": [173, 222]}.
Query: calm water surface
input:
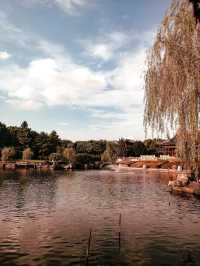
{"type": "Point", "coordinates": [45, 219]}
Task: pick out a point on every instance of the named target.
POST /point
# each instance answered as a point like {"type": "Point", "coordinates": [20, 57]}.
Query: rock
{"type": "Point", "coordinates": [197, 189]}
{"type": "Point", "coordinates": [171, 183]}
{"type": "Point", "coordinates": [182, 179]}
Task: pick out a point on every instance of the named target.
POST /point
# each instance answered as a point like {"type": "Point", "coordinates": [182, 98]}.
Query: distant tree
{"type": "Point", "coordinates": [27, 154]}
{"type": "Point", "coordinates": [13, 140]}
{"type": "Point", "coordinates": [24, 136]}
{"type": "Point", "coordinates": [109, 155]}
{"type": "Point", "coordinates": [28, 143]}
{"type": "Point", "coordinates": [152, 146]}
{"type": "Point", "coordinates": [4, 135]}
{"type": "Point", "coordinates": [42, 146]}
{"type": "Point", "coordinates": [67, 143]}
{"type": "Point", "coordinates": [69, 154]}
{"type": "Point", "coordinates": [136, 148]}
{"type": "Point", "coordinates": [33, 143]}
{"type": "Point", "coordinates": [105, 157]}
{"type": "Point", "coordinates": [53, 141]}
{"type": "Point", "coordinates": [24, 125]}
{"type": "Point", "coordinates": [83, 159]}
{"type": "Point", "coordinates": [95, 147]}
{"type": "Point", "coordinates": [7, 153]}
{"type": "Point", "coordinates": [122, 148]}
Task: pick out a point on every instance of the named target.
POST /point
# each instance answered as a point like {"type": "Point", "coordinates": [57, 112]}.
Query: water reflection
{"type": "Point", "coordinates": [45, 219]}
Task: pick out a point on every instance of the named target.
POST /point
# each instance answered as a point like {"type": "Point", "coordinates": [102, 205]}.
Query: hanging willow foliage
{"type": "Point", "coordinates": [172, 80]}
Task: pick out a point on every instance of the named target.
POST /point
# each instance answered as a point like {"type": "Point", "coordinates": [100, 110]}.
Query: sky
{"type": "Point", "coordinates": [76, 66]}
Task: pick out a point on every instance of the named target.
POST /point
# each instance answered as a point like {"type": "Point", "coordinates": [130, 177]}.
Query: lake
{"type": "Point", "coordinates": [46, 217]}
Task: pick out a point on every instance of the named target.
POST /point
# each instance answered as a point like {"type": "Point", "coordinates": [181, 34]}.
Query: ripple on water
{"type": "Point", "coordinates": [46, 220]}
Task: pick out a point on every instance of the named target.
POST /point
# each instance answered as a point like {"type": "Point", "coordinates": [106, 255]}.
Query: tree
{"type": "Point", "coordinates": [152, 146]}
{"type": "Point", "coordinates": [53, 142]}
{"type": "Point", "coordinates": [13, 140]}
{"type": "Point", "coordinates": [7, 153]}
{"type": "Point", "coordinates": [105, 157]}
{"type": "Point", "coordinates": [24, 136]}
{"type": "Point", "coordinates": [109, 155]}
{"type": "Point", "coordinates": [41, 147]}
{"type": "Point", "coordinates": [136, 148]}
{"type": "Point", "coordinates": [4, 135]}
{"type": "Point", "coordinates": [172, 81]}
{"type": "Point", "coordinates": [44, 144]}
{"type": "Point", "coordinates": [24, 125]}
{"type": "Point", "coordinates": [95, 147]}
{"type": "Point", "coordinates": [27, 154]}
{"type": "Point", "coordinates": [69, 154]}
{"type": "Point", "coordinates": [85, 159]}
{"type": "Point", "coordinates": [122, 148]}
{"type": "Point", "coordinates": [66, 143]}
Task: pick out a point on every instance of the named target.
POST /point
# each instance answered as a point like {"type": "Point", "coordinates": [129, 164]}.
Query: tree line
{"type": "Point", "coordinates": [21, 142]}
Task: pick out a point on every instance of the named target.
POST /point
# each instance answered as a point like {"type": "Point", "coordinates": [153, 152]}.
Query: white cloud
{"type": "Point", "coordinates": [51, 82]}
{"type": "Point", "coordinates": [101, 50]}
{"type": "Point", "coordinates": [105, 47]}
{"type": "Point", "coordinates": [4, 55]}
{"type": "Point", "coordinates": [116, 44]}
{"type": "Point", "coordinates": [54, 79]}
{"type": "Point", "coordinates": [70, 7]}
{"type": "Point", "coordinates": [56, 82]}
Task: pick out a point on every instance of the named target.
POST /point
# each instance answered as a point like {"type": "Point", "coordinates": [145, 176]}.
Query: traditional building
{"type": "Point", "coordinates": [168, 147]}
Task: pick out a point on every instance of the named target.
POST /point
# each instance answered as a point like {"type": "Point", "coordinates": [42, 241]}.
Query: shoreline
{"type": "Point", "coordinates": [12, 166]}
{"type": "Point", "coordinates": [192, 187]}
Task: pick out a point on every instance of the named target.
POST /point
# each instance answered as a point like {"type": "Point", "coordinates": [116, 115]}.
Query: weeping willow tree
{"type": "Point", "coordinates": [172, 80]}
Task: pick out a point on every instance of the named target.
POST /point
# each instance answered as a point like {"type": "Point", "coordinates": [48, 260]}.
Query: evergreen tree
{"type": "Point", "coordinates": [122, 148]}
{"type": "Point", "coordinates": [24, 125]}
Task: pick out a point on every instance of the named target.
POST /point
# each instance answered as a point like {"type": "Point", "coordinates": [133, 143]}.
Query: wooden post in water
{"type": "Point", "coordinates": [120, 221]}
{"type": "Point", "coordinates": [88, 247]}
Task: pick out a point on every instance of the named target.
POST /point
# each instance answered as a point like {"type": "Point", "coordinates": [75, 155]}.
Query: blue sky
{"type": "Point", "coordinates": [76, 66]}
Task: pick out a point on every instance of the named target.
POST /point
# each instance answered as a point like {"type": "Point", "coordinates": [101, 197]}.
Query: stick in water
{"type": "Point", "coordinates": [88, 247]}
{"type": "Point", "coordinates": [120, 221]}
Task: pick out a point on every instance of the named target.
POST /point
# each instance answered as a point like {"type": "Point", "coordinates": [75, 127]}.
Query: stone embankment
{"type": "Point", "coordinates": [183, 184]}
